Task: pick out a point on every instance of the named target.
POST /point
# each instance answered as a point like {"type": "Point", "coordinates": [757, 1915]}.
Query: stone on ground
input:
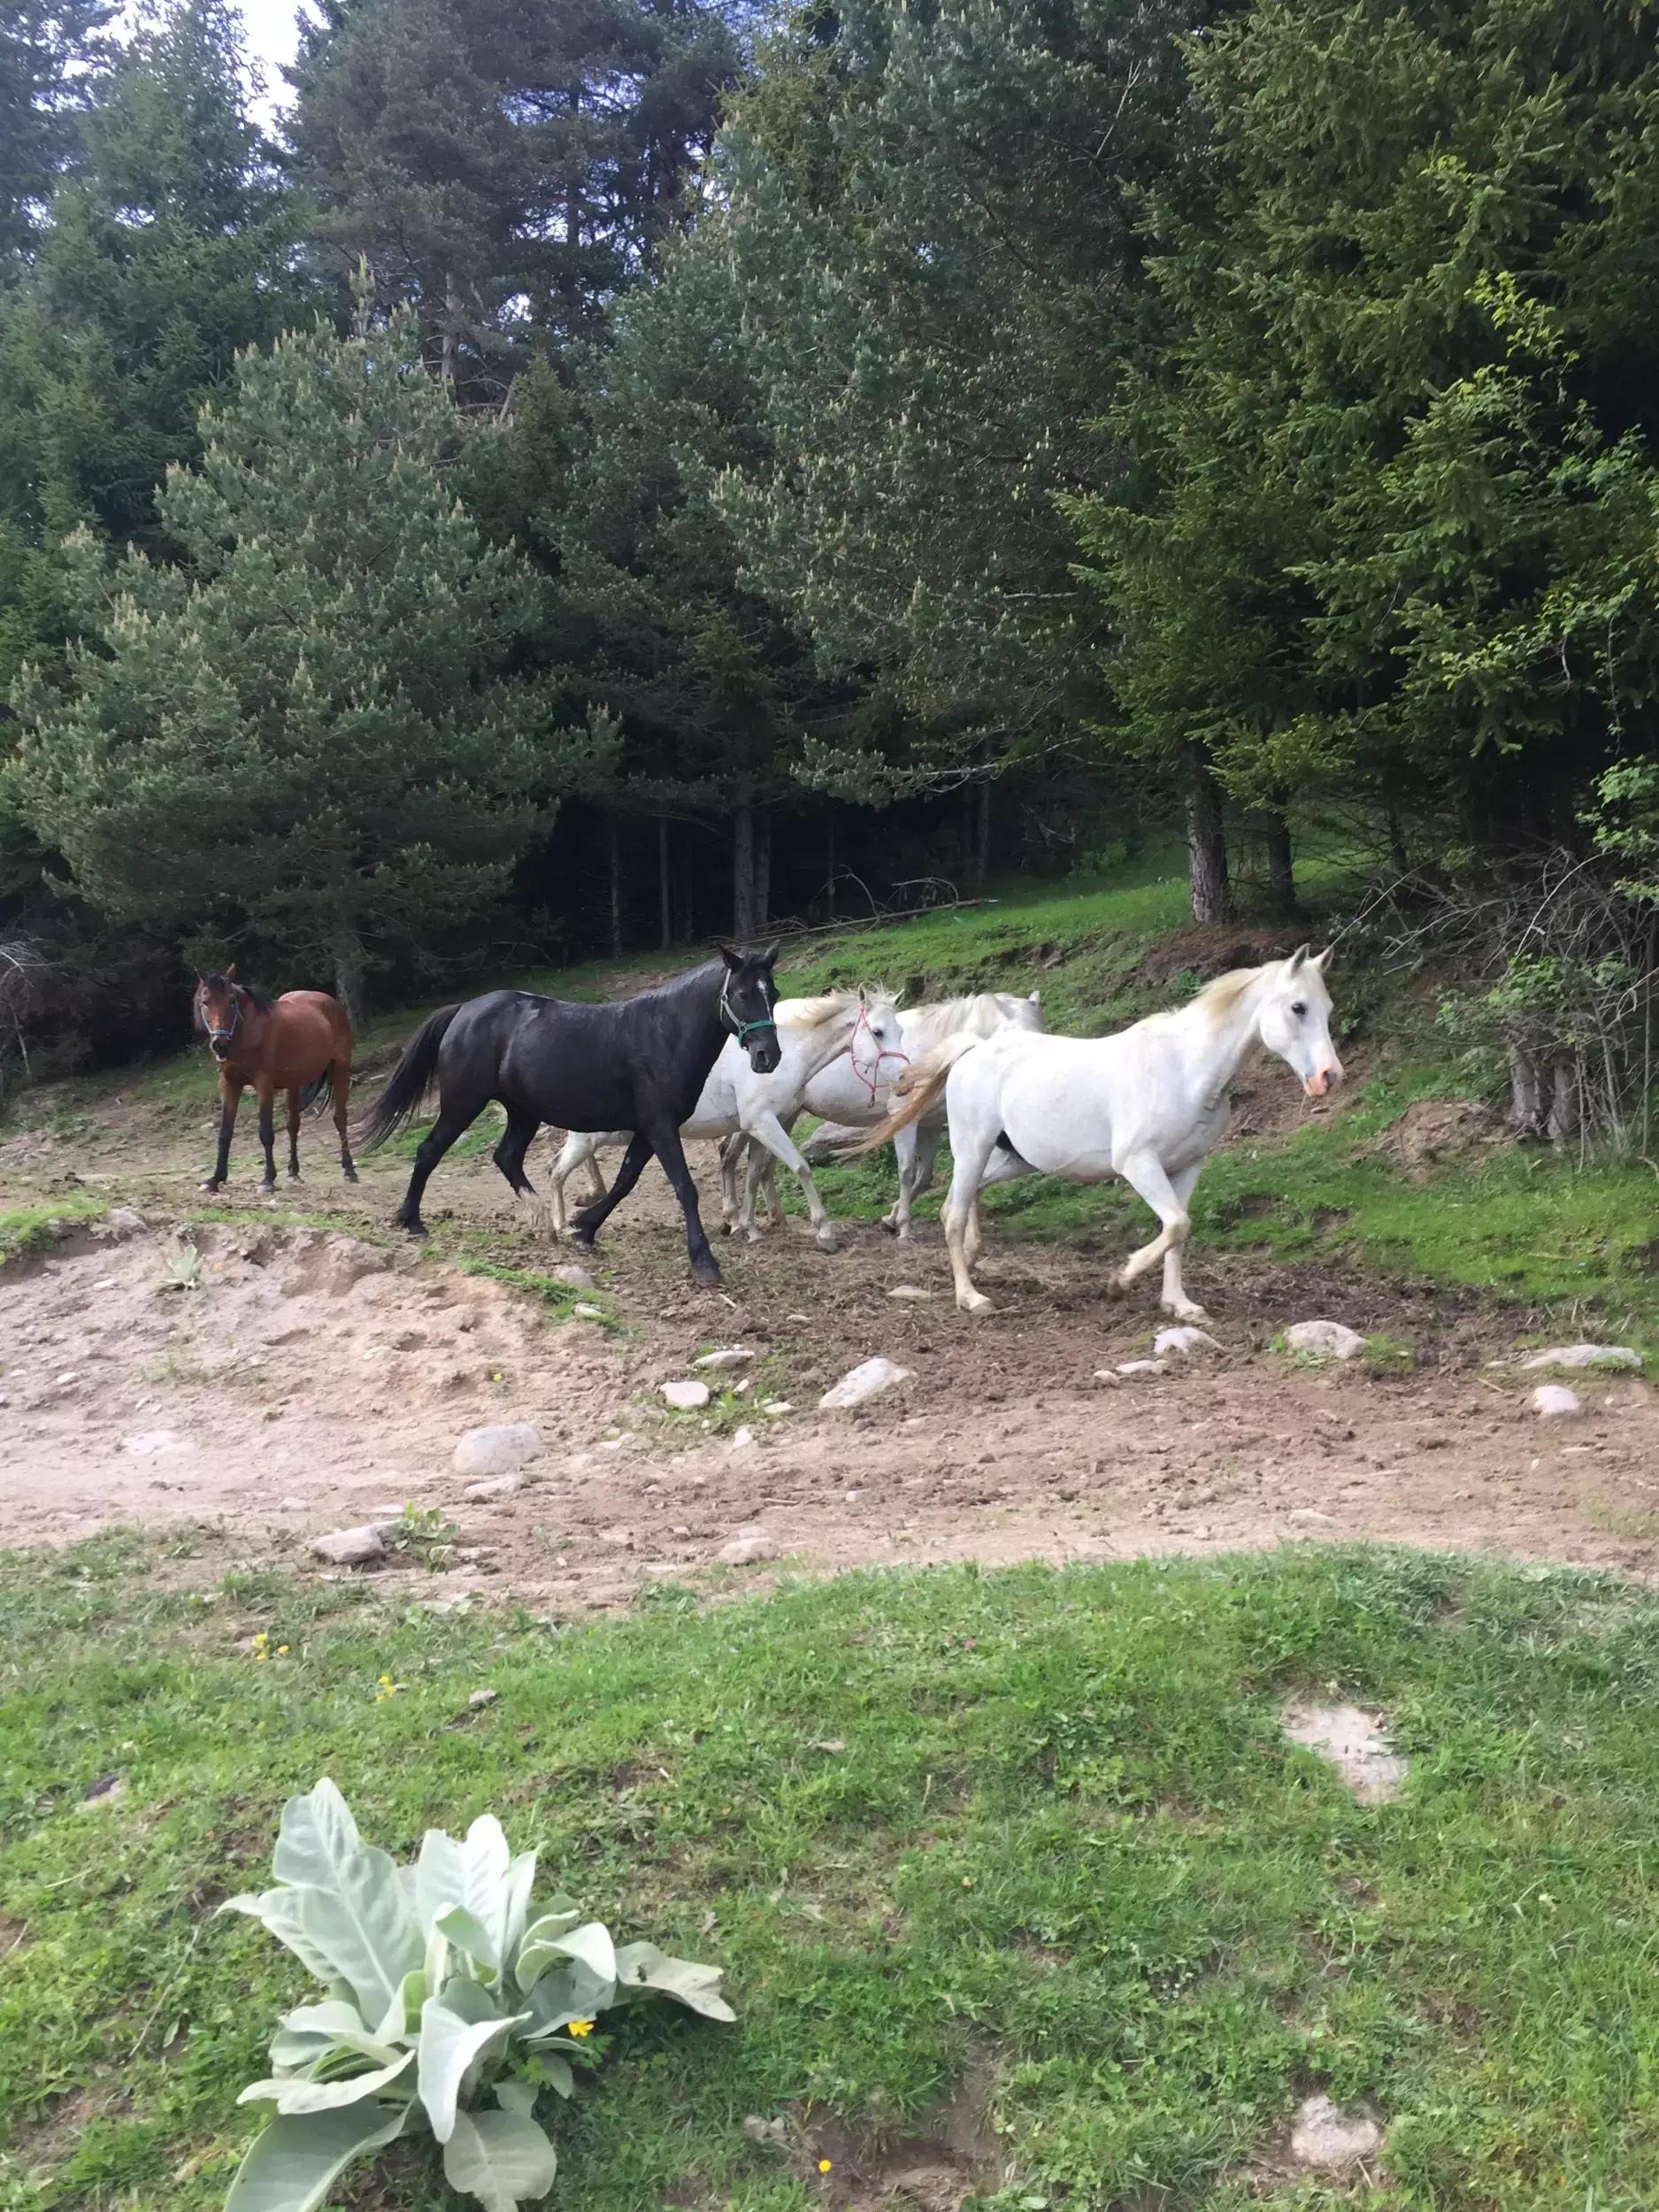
{"type": "Point", "coordinates": [744, 1437]}
{"type": "Point", "coordinates": [1585, 1356]}
{"type": "Point", "coordinates": [1556, 1402]}
{"type": "Point", "coordinates": [686, 1397]}
{"type": "Point", "coordinates": [1354, 1743]}
{"type": "Point", "coordinates": [1135, 1367]}
{"type": "Point", "coordinates": [1186, 1339]}
{"type": "Point", "coordinates": [124, 1221]}
{"type": "Point", "coordinates": [156, 1443]}
{"type": "Point", "coordinates": [351, 1547]}
{"type": "Point", "coordinates": [730, 1356]}
{"type": "Point", "coordinates": [497, 1486]}
{"type": "Point", "coordinates": [868, 1379]}
{"type": "Point", "coordinates": [498, 1449]}
{"type": "Point", "coordinates": [1325, 1339]}
{"type": "Point", "coordinates": [1332, 2136]}
{"type": "Point", "coordinates": [583, 1312]}
{"type": "Point", "coordinates": [746, 1548]}
{"type": "Point", "coordinates": [572, 1274]}
{"type": "Point", "coordinates": [908, 1290]}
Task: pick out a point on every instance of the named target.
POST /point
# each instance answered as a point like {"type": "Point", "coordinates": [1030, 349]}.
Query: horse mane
{"type": "Point", "coordinates": [954, 1011]}
{"type": "Point", "coordinates": [813, 1013]}
{"type": "Point", "coordinates": [260, 1000]}
{"type": "Point", "coordinates": [1217, 1000]}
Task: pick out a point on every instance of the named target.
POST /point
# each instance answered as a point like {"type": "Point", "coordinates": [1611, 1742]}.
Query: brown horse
{"type": "Point", "coordinates": [300, 1044]}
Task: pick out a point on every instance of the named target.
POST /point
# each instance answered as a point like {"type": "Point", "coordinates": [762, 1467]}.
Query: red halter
{"type": "Point", "coordinates": [872, 1081]}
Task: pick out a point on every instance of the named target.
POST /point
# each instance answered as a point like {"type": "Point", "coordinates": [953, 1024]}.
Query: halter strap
{"type": "Point", "coordinates": [872, 1081]}
{"type": "Point", "coordinates": [739, 1030]}
{"type": "Point", "coordinates": [219, 1036]}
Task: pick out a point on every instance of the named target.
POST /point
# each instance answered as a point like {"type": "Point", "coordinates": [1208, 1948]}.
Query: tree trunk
{"type": "Point", "coordinates": [743, 873]}
{"type": "Point", "coordinates": [982, 834]}
{"type": "Point", "coordinates": [664, 887]}
{"type": "Point", "coordinates": [1281, 874]}
{"type": "Point", "coordinates": [1206, 839]}
{"type": "Point", "coordinates": [1397, 851]}
{"type": "Point", "coordinates": [763, 872]}
{"type": "Point", "coordinates": [449, 339]}
{"type": "Point", "coordinates": [350, 987]}
{"type": "Point", "coordinates": [616, 891]}
{"type": "Point", "coordinates": [829, 867]}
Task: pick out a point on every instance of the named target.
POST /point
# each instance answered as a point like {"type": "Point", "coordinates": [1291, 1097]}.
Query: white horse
{"type": "Point", "coordinates": [855, 1025]}
{"type": "Point", "coordinates": [849, 1100]}
{"type": "Point", "coordinates": [1149, 1104]}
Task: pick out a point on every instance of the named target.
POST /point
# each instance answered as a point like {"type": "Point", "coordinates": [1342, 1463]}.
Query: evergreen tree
{"type": "Point", "coordinates": [1389, 535]}
{"type": "Point", "coordinates": [50, 51]}
{"type": "Point", "coordinates": [504, 168]}
{"type": "Point", "coordinates": [315, 726]}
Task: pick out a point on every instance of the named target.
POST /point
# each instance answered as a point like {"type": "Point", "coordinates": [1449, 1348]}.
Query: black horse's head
{"type": "Point", "coordinates": [747, 996]}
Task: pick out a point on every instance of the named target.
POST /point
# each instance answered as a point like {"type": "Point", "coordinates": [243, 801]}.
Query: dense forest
{"type": "Point", "coordinates": [610, 471]}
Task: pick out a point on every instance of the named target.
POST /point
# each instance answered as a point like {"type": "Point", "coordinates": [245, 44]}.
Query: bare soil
{"type": "Point", "coordinates": [316, 1376]}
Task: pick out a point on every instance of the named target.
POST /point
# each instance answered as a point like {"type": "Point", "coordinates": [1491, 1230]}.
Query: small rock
{"type": "Point", "coordinates": [1354, 1743]}
{"type": "Point", "coordinates": [108, 1790]}
{"type": "Point", "coordinates": [868, 1379]}
{"type": "Point", "coordinates": [351, 1547]}
{"type": "Point", "coordinates": [1585, 1356]}
{"type": "Point", "coordinates": [777, 1405]}
{"type": "Point", "coordinates": [292, 1505]}
{"type": "Point", "coordinates": [686, 1397]}
{"type": "Point", "coordinates": [1556, 1402]}
{"type": "Point", "coordinates": [1185, 1339]}
{"type": "Point", "coordinates": [497, 1486]}
{"type": "Point", "coordinates": [741, 1441]}
{"type": "Point", "coordinates": [1311, 1513]}
{"type": "Point", "coordinates": [480, 1699]}
{"type": "Point", "coordinates": [573, 1275]}
{"type": "Point", "coordinates": [1325, 1339]}
{"type": "Point", "coordinates": [746, 1548]}
{"type": "Point", "coordinates": [498, 1449]}
{"type": "Point", "coordinates": [1332, 2135]}
{"type": "Point", "coordinates": [733, 1356]}
{"type": "Point", "coordinates": [619, 1538]}
{"type": "Point", "coordinates": [1136, 1367]}
{"type": "Point", "coordinates": [908, 1290]}
{"type": "Point", "coordinates": [106, 1282]}
{"type": "Point", "coordinates": [153, 1443]}
{"type": "Point", "coordinates": [65, 1380]}
{"type": "Point", "coordinates": [582, 1312]}
{"type": "Point", "coordinates": [125, 1221]}
{"type": "Point", "coordinates": [773, 2135]}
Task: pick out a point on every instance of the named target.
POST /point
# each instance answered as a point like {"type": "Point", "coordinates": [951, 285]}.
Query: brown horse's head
{"type": "Point", "coordinates": [223, 1007]}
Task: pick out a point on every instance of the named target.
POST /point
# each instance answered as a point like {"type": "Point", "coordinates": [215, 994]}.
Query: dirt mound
{"type": "Point", "coordinates": [1435, 1129]}
{"type": "Point", "coordinates": [1207, 949]}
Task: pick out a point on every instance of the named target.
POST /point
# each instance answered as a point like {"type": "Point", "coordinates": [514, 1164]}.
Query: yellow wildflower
{"type": "Point", "coordinates": [825, 2165]}
{"type": "Point", "coordinates": [580, 2027]}
{"type": "Point", "coordinates": [386, 1687]}
{"type": "Point", "coordinates": [281, 1651]}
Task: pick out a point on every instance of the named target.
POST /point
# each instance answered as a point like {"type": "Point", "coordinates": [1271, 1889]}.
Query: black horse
{"type": "Point", "coordinates": [639, 1063]}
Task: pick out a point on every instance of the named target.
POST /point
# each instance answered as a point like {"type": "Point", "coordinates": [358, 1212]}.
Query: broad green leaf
{"type": "Point", "coordinates": [520, 1881]}
{"type": "Point", "coordinates": [292, 2165]}
{"type": "Point", "coordinates": [440, 1876]}
{"type": "Point", "coordinates": [535, 1953]}
{"type": "Point", "coordinates": [459, 1927]}
{"type": "Point", "coordinates": [402, 2017]}
{"type": "Point", "coordinates": [570, 1991]}
{"type": "Point", "coordinates": [560, 2079]}
{"type": "Point", "coordinates": [588, 1947]}
{"type": "Point", "coordinates": [352, 1906]}
{"type": "Point", "coordinates": [317, 1836]}
{"type": "Point", "coordinates": [481, 1878]}
{"type": "Point", "coordinates": [513, 2095]}
{"type": "Point", "coordinates": [456, 2030]}
{"type": "Point", "coordinates": [340, 2024]}
{"type": "Point", "coordinates": [642, 1966]}
{"type": "Point", "coordinates": [502, 2158]}
{"type": "Point", "coordinates": [280, 1910]}
{"type": "Point", "coordinates": [294, 2093]}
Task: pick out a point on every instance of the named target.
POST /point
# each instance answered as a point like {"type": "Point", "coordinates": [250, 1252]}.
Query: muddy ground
{"type": "Point", "coordinates": [309, 1377]}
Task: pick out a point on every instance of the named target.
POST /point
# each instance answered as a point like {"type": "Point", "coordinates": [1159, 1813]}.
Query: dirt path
{"type": "Point", "coordinates": [309, 1380]}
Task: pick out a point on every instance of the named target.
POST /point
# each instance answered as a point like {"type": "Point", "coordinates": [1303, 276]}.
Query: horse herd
{"type": "Point", "coordinates": [716, 1054]}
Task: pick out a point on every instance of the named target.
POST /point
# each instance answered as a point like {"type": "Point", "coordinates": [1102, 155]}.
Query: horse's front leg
{"type": "Point", "coordinates": [767, 1129]}
{"type": "Point", "coordinates": [229, 1099]}
{"type": "Point", "coordinates": [294, 1133]}
{"type": "Point", "coordinates": [665, 1142]}
{"type": "Point", "coordinates": [732, 1150]}
{"type": "Point", "coordinates": [1145, 1174]}
{"type": "Point", "coordinates": [1175, 1299]}
{"type": "Point", "coordinates": [264, 1091]}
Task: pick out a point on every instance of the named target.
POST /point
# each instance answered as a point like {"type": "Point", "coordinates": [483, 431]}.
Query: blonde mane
{"type": "Point", "coordinates": [813, 1013]}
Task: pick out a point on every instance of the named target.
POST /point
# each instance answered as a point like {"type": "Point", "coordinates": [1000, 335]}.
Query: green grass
{"type": "Point", "coordinates": [1032, 1830]}
{"type": "Point", "coordinates": [27, 1229]}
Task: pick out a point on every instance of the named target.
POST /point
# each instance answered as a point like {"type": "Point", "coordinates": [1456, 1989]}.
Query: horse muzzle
{"type": "Point", "coordinates": [1323, 1081]}
{"type": "Point", "coordinates": [764, 1054]}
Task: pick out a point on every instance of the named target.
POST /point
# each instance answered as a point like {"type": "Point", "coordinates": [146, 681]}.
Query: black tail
{"type": "Point", "coordinates": [317, 1093]}
{"type": "Point", "coordinates": [400, 1101]}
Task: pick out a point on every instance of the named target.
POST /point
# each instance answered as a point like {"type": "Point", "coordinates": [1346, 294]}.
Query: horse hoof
{"type": "Point", "coordinates": [350, 1174]}
{"type": "Point", "coordinates": [1186, 1312]}
{"type": "Point", "coordinates": [975, 1301]}
{"type": "Point", "coordinates": [830, 1243]}
{"type": "Point", "coordinates": [891, 1226]}
{"type": "Point", "coordinates": [709, 1278]}
{"type": "Point", "coordinates": [211, 1186]}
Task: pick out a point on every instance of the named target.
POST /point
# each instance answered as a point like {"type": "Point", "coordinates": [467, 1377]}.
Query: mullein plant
{"type": "Point", "coordinates": [450, 2008]}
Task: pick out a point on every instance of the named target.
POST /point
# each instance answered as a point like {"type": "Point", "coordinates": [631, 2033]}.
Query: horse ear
{"type": "Point", "coordinates": [768, 954]}
{"type": "Point", "coordinates": [1322, 960]}
{"type": "Point", "coordinates": [1035, 998]}
{"type": "Point", "coordinates": [1294, 966]}
{"type": "Point", "coordinates": [733, 960]}
{"type": "Point", "coordinates": [230, 972]}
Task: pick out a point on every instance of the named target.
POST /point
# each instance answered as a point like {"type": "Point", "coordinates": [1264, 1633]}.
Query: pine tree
{"type": "Point", "coordinates": [315, 726]}
{"type": "Point", "coordinates": [50, 54]}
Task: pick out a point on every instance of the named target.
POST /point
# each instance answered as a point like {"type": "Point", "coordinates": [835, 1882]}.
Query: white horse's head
{"type": "Point", "coordinates": [1019, 1013]}
{"type": "Point", "coordinates": [877, 1045]}
{"type": "Point", "coordinates": [1295, 1020]}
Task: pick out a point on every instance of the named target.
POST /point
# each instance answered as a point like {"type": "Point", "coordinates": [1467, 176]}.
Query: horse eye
{"type": "Point", "coordinates": [1300, 1008]}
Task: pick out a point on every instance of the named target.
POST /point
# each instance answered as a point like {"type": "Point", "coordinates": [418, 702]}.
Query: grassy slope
{"type": "Point", "coordinates": [1038, 1830]}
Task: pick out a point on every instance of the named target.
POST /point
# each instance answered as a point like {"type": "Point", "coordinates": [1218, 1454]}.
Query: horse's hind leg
{"type": "Point", "coordinates": [665, 1142]}
{"type": "Point", "coordinates": [767, 1130]}
{"type": "Point", "coordinates": [1175, 1299]}
{"type": "Point", "coordinates": [293, 1134]}
{"type": "Point", "coordinates": [591, 1219]}
{"type": "Point", "coordinates": [452, 1123]}
{"type": "Point", "coordinates": [962, 1218]}
{"type": "Point", "coordinates": [340, 1090]}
